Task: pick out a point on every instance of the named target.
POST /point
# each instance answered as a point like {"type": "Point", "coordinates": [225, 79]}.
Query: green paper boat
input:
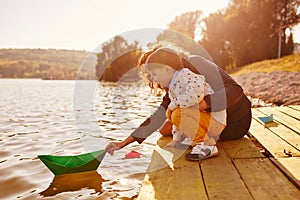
{"type": "Point", "coordinates": [73, 164]}
{"type": "Point", "coordinates": [266, 119]}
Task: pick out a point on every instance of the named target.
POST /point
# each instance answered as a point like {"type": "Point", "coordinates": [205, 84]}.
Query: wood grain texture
{"type": "Point", "coordinates": [286, 134]}
{"type": "Point", "coordinates": [222, 180]}
{"type": "Point", "coordinates": [274, 144]}
{"type": "Point", "coordinates": [239, 171]}
{"type": "Point", "coordinates": [184, 181]}
{"type": "Point", "coordinates": [264, 180]}
{"type": "Point", "coordinates": [282, 118]}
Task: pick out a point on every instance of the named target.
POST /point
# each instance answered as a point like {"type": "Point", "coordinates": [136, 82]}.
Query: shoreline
{"type": "Point", "coordinates": [264, 89]}
{"type": "Point", "coordinates": [277, 88]}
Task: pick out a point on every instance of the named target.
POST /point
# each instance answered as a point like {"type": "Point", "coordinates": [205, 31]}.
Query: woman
{"type": "Point", "coordinates": [227, 95]}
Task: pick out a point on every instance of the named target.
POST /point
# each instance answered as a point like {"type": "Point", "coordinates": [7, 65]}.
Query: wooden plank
{"type": "Point", "coordinates": [280, 130]}
{"type": "Point", "coordinates": [289, 111]}
{"type": "Point", "coordinates": [282, 118]}
{"type": "Point", "coordinates": [238, 172]}
{"type": "Point", "coordinates": [295, 107]}
{"type": "Point", "coordinates": [241, 148]}
{"type": "Point", "coordinates": [292, 164]}
{"type": "Point", "coordinates": [264, 180]}
{"type": "Point", "coordinates": [274, 144]}
{"type": "Point", "coordinates": [178, 179]}
{"type": "Point", "coordinates": [221, 179]}
{"type": "Point", "coordinates": [290, 167]}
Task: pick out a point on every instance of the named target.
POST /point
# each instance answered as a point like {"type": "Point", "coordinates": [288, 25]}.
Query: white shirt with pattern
{"type": "Point", "coordinates": [187, 89]}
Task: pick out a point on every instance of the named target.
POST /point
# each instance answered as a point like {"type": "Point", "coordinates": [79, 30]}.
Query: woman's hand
{"type": "Point", "coordinates": [112, 146]}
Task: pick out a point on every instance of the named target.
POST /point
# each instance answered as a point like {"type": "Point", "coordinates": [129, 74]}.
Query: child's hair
{"type": "Point", "coordinates": [159, 55]}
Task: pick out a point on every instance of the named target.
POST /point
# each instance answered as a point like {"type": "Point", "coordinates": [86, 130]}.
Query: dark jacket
{"type": "Point", "coordinates": [227, 94]}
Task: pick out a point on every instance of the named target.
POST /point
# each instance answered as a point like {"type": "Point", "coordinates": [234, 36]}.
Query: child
{"type": "Point", "coordinates": [186, 90]}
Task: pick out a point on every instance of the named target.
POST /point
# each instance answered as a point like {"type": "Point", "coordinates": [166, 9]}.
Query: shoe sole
{"type": "Point", "coordinates": [199, 159]}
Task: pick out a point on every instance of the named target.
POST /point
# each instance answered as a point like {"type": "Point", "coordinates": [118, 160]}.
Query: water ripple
{"type": "Point", "coordinates": [37, 117]}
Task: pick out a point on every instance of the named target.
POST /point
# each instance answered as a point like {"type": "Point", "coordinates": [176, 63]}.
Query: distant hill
{"type": "Point", "coordinates": [289, 63]}
{"type": "Point", "coordinates": [47, 64]}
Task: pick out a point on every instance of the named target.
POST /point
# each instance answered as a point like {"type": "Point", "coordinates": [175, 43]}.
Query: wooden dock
{"type": "Point", "coordinates": [265, 165]}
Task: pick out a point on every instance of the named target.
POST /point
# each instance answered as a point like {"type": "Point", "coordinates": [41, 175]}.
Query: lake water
{"type": "Point", "coordinates": [68, 118]}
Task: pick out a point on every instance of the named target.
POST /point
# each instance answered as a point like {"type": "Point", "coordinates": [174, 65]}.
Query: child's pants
{"type": "Point", "coordinates": [198, 125]}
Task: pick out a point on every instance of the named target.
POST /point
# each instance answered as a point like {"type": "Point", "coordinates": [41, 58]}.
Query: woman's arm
{"type": "Point", "coordinates": [150, 125]}
{"type": "Point", "coordinates": [153, 123]}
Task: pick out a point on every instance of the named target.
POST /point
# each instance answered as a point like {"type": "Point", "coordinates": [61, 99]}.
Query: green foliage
{"type": "Point", "coordinates": [44, 63]}
{"type": "Point", "coordinates": [248, 31]}
{"type": "Point", "coordinates": [117, 58]}
{"type": "Point", "coordinates": [186, 23]}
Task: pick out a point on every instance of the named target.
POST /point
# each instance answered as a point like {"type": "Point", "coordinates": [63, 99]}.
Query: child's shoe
{"type": "Point", "coordinates": [201, 152]}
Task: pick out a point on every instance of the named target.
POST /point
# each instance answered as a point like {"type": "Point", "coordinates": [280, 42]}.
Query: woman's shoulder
{"type": "Point", "coordinates": [197, 58]}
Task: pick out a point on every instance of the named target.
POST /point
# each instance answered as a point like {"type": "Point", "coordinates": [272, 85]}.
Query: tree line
{"type": "Point", "coordinates": [250, 31]}
{"type": "Point", "coordinates": [246, 31]}
{"type": "Point", "coordinates": [45, 63]}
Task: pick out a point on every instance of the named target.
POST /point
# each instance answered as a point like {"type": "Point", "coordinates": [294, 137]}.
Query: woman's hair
{"type": "Point", "coordinates": [159, 55]}
{"type": "Point", "coordinates": [162, 55]}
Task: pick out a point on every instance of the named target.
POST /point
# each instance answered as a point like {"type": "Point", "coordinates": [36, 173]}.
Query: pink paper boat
{"type": "Point", "coordinates": [132, 154]}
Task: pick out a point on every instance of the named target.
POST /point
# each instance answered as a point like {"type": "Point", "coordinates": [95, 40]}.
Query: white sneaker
{"type": "Point", "coordinates": [201, 152]}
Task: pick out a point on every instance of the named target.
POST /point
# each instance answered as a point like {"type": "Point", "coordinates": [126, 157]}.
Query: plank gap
{"type": "Point", "coordinates": [264, 180]}
{"type": "Point", "coordinates": [202, 177]}
{"type": "Point", "coordinates": [295, 107]}
{"type": "Point", "coordinates": [287, 121]}
{"type": "Point", "coordinates": [241, 177]}
{"type": "Point", "coordinates": [282, 131]}
{"type": "Point", "coordinates": [280, 136]}
{"type": "Point", "coordinates": [289, 112]}
{"type": "Point", "coordinates": [286, 172]}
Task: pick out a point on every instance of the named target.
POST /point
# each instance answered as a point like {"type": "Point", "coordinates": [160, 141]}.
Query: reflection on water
{"type": "Point", "coordinates": [37, 117]}
{"type": "Point", "coordinates": [74, 182]}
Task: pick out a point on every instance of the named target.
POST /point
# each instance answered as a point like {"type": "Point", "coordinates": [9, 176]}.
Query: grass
{"type": "Point", "coordinates": [289, 63]}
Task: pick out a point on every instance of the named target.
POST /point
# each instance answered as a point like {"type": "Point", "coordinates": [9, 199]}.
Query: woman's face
{"type": "Point", "coordinates": [156, 73]}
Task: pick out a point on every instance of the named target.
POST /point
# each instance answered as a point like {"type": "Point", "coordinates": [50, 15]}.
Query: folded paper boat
{"type": "Point", "coordinates": [133, 154]}
{"type": "Point", "coordinates": [73, 164]}
{"type": "Point", "coordinates": [266, 119]}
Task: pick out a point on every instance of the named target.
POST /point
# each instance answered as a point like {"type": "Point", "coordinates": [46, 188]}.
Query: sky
{"type": "Point", "coordinates": [85, 24]}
